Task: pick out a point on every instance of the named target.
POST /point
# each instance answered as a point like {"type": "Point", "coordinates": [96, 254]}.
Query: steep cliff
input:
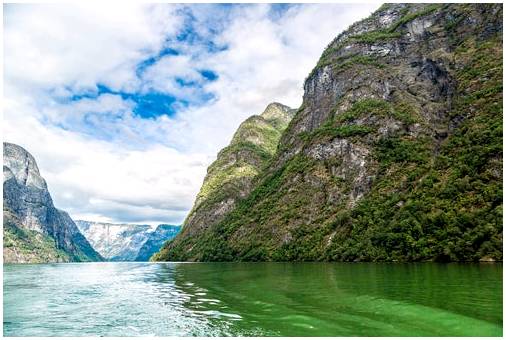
{"type": "Point", "coordinates": [230, 177]}
{"type": "Point", "coordinates": [394, 155]}
{"type": "Point", "coordinates": [34, 230]}
{"type": "Point", "coordinates": [126, 242]}
{"type": "Point", "coordinates": [115, 242]}
{"type": "Point", "coordinates": [156, 239]}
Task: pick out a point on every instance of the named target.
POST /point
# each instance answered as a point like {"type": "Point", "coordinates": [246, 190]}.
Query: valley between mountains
{"type": "Point", "coordinates": [37, 232]}
{"type": "Point", "coordinates": [394, 155]}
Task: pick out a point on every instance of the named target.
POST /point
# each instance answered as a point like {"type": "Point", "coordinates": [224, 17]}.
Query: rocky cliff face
{"type": "Point", "coordinates": [115, 242]}
{"type": "Point", "coordinates": [156, 239]}
{"type": "Point", "coordinates": [34, 230]}
{"type": "Point", "coordinates": [394, 155]}
{"type": "Point", "coordinates": [230, 177]}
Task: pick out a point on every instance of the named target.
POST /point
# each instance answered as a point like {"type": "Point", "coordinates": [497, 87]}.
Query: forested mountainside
{"type": "Point", "coordinates": [394, 155]}
{"type": "Point", "coordinates": [34, 230]}
{"type": "Point", "coordinates": [230, 178]}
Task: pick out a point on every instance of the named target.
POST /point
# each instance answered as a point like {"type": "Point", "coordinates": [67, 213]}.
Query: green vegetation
{"type": "Point", "coordinates": [329, 131]}
{"type": "Point", "coordinates": [339, 126]}
{"type": "Point", "coordinates": [444, 208]}
{"type": "Point", "coordinates": [375, 36]}
{"type": "Point", "coordinates": [412, 16]}
{"type": "Point", "coordinates": [29, 245]}
{"type": "Point", "coordinates": [429, 189]}
{"type": "Point", "coordinates": [213, 246]}
{"type": "Point", "coordinates": [380, 108]}
{"type": "Point", "coordinates": [356, 60]}
{"type": "Point", "coordinates": [402, 150]}
{"type": "Point", "coordinates": [231, 175]}
{"type": "Point", "coordinates": [223, 176]}
{"type": "Point", "coordinates": [265, 134]}
{"type": "Point", "coordinates": [346, 62]}
{"type": "Point", "coordinates": [253, 145]}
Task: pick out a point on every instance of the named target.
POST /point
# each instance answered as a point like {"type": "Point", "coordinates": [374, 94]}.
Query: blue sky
{"type": "Point", "coordinates": [125, 105]}
{"type": "Point", "coordinates": [150, 102]}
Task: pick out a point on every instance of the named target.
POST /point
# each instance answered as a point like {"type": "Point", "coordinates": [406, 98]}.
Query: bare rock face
{"type": "Point", "coordinates": [34, 230]}
{"type": "Point", "coordinates": [156, 239]}
{"type": "Point", "coordinates": [18, 163]}
{"type": "Point", "coordinates": [126, 242]}
{"type": "Point", "coordinates": [115, 241]}
{"type": "Point", "coordinates": [394, 155]}
{"type": "Point", "coordinates": [21, 176]}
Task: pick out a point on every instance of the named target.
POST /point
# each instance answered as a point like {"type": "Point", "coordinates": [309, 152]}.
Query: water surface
{"type": "Point", "coordinates": [260, 299]}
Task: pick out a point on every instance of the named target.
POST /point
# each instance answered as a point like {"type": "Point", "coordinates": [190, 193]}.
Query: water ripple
{"type": "Point", "coordinates": [176, 299]}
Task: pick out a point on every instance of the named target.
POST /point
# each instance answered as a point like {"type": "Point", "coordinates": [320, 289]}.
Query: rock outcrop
{"type": "Point", "coordinates": [230, 177]}
{"type": "Point", "coordinates": [34, 230]}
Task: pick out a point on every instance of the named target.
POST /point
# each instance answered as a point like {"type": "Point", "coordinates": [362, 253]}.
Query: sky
{"type": "Point", "coordinates": [124, 106]}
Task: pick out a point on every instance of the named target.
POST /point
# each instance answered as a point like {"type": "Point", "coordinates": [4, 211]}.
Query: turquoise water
{"type": "Point", "coordinates": [262, 299]}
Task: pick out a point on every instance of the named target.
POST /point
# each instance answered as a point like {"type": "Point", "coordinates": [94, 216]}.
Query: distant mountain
{"type": "Point", "coordinates": [115, 242]}
{"type": "Point", "coordinates": [156, 239]}
{"type": "Point", "coordinates": [126, 242]}
{"type": "Point", "coordinates": [34, 230]}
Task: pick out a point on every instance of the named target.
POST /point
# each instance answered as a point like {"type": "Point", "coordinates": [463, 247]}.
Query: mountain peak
{"type": "Point", "coordinates": [34, 229]}
{"type": "Point", "coordinates": [22, 166]}
{"type": "Point", "coordinates": [230, 177]}
{"type": "Point", "coordinates": [278, 114]}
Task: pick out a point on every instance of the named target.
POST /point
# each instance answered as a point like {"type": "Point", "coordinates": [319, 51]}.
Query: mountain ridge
{"type": "Point", "coordinates": [162, 234]}
{"type": "Point", "coordinates": [394, 155]}
{"type": "Point", "coordinates": [230, 177]}
{"type": "Point", "coordinates": [124, 241]}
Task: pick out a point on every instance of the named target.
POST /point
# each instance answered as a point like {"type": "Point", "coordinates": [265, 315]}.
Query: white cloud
{"type": "Point", "coordinates": [95, 177]}
{"type": "Point", "coordinates": [102, 161]}
{"type": "Point", "coordinates": [265, 61]}
{"type": "Point", "coordinates": [78, 45]}
{"type": "Point", "coordinates": [163, 74]}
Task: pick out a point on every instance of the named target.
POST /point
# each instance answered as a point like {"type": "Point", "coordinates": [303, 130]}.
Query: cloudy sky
{"type": "Point", "coordinates": [124, 106]}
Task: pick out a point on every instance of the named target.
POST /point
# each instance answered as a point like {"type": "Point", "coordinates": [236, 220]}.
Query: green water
{"type": "Point", "coordinates": [261, 299]}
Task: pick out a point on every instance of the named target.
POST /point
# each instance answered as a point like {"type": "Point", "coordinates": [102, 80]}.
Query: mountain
{"type": "Point", "coordinates": [394, 155]}
{"type": "Point", "coordinates": [115, 242]}
{"type": "Point", "coordinates": [230, 177]}
{"type": "Point", "coordinates": [34, 230]}
{"type": "Point", "coordinates": [126, 242]}
{"type": "Point", "coordinates": [156, 239]}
